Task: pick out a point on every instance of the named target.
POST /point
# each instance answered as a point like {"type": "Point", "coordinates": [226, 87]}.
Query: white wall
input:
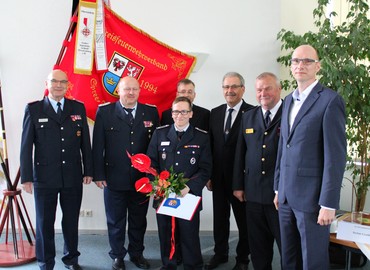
{"type": "Point", "coordinates": [238, 35]}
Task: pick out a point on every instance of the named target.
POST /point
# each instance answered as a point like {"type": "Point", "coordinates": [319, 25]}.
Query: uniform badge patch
{"type": "Point", "coordinates": [148, 124]}
{"type": "Point", "coordinates": [76, 117]}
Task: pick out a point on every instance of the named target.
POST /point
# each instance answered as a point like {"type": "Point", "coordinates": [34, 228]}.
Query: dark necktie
{"type": "Point", "coordinates": [179, 134]}
{"type": "Point", "coordinates": [59, 110]}
{"type": "Point", "coordinates": [267, 118]}
{"type": "Point", "coordinates": [228, 123]}
{"type": "Point", "coordinates": [129, 116]}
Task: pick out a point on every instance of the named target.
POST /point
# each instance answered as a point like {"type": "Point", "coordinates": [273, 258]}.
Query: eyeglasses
{"type": "Point", "coordinates": [183, 112]}
{"type": "Point", "coordinates": [304, 61]}
{"type": "Point", "coordinates": [232, 87]}
{"type": "Point", "coordinates": [189, 92]}
{"type": "Point", "coordinates": [54, 81]}
{"type": "Point", "coordinates": [128, 89]}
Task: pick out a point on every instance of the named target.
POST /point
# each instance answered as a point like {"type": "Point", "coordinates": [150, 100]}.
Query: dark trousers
{"type": "Point", "coordinates": [46, 200]}
{"type": "Point", "coordinates": [304, 243]}
{"type": "Point", "coordinates": [263, 230]}
{"type": "Point", "coordinates": [122, 207]}
{"type": "Point", "coordinates": [223, 200]}
{"type": "Point", "coordinates": [189, 241]}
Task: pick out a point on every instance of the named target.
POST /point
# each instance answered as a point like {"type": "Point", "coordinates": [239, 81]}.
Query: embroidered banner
{"type": "Point", "coordinates": [130, 52]}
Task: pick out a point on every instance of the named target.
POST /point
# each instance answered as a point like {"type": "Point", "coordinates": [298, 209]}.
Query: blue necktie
{"type": "Point", "coordinates": [179, 134]}
{"type": "Point", "coordinates": [129, 115]}
{"type": "Point", "coordinates": [267, 118]}
{"type": "Point", "coordinates": [59, 110]}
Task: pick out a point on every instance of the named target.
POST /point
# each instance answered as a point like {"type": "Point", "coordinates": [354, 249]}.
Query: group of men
{"type": "Point", "coordinates": [275, 165]}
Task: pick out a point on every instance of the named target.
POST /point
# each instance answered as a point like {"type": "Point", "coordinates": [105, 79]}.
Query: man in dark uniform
{"type": "Point", "coordinates": [200, 119]}
{"type": "Point", "coordinates": [125, 125]}
{"type": "Point", "coordinates": [224, 129]}
{"type": "Point", "coordinates": [57, 129]}
{"type": "Point", "coordinates": [187, 150]}
{"type": "Point", "coordinates": [254, 168]}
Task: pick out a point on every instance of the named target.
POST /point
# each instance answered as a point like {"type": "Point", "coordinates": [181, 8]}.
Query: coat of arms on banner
{"type": "Point", "coordinates": [120, 66]}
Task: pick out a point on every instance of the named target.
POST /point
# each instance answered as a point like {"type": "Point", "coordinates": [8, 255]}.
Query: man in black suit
{"type": "Point", "coordinates": [125, 125]}
{"type": "Point", "coordinates": [56, 130]}
{"type": "Point", "coordinates": [200, 119]}
{"type": "Point", "coordinates": [189, 153]}
{"type": "Point", "coordinates": [224, 130]}
{"type": "Point", "coordinates": [254, 168]}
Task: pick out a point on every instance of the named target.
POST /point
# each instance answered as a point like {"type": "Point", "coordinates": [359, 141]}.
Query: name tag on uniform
{"type": "Point", "coordinates": [165, 143]}
{"type": "Point", "coordinates": [249, 130]}
{"type": "Point", "coordinates": [43, 120]}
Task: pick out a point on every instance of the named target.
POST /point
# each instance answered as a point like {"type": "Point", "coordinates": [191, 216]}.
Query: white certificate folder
{"type": "Point", "coordinates": [180, 207]}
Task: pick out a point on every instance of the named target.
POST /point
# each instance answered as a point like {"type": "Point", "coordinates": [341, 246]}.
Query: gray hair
{"type": "Point", "coordinates": [269, 74]}
{"type": "Point", "coordinates": [234, 74]}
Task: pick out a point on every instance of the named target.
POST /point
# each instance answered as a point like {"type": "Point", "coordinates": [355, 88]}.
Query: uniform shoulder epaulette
{"type": "Point", "coordinates": [33, 102]}
{"type": "Point", "coordinates": [79, 101]}
{"type": "Point", "coordinates": [163, 126]}
{"type": "Point", "coordinates": [151, 105]}
{"type": "Point", "coordinates": [104, 104]}
{"type": "Point", "coordinates": [201, 130]}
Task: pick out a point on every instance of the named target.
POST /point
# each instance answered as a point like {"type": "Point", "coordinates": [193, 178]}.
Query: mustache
{"type": "Point", "coordinates": [231, 94]}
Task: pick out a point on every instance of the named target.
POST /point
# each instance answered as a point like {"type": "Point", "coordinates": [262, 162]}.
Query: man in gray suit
{"type": "Point", "coordinates": [310, 165]}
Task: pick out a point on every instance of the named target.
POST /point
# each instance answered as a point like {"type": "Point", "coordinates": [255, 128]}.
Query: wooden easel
{"type": "Point", "coordinates": [13, 210]}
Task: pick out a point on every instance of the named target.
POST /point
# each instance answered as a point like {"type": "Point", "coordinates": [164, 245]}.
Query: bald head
{"type": "Point", "coordinates": [304, 66]}
{"type": "Point", "coordinates": [307, 49]}
{"type": "Point", "coordinates": [128, 90]}
{"type": "Point", "coordinates": [57, 84]}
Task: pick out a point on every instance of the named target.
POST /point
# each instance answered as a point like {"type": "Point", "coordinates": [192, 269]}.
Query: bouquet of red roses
{"type": "Point", "coordinates": [163, 184]}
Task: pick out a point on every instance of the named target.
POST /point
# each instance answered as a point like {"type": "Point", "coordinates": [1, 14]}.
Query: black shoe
{"type": "Point", "coordinates": [73, 266]}
{"type": "Point", "coordinates": [214, 262]}
{"type": "Point", "coordinates": [140, 262]}
{"type": "Point", "coordinates": [118, 264]}
{"type": "Point", "coordinates": [240, 266]}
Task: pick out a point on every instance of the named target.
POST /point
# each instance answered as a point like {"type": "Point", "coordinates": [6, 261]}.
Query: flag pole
{"type": "Point", "coordinates": [3, 136]}
{"type": "Point", "coordinates": [70, 31]}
